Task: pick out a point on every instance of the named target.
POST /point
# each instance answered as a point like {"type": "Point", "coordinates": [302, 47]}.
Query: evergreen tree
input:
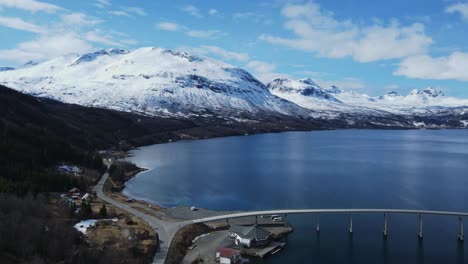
{"type": "Point", "coordinates": [103, 211]}
{"type": "Point", "coordinates": [86, 210]}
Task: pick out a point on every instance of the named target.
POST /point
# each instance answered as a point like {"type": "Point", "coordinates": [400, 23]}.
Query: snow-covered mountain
{"type": "Point", "coordinates": [308, 94]}
{"type": "Point", "coordinates": [155, 81]}
{"type": "Point", "coordinates": [152, 81]}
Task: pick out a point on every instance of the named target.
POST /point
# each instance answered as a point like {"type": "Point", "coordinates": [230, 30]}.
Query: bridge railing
{"type": "Point", "coordinates": [319, 212]}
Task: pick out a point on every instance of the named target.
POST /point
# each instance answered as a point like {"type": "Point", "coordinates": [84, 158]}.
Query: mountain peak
{"type": "Point", "coordinates": [393, 94]}
{"type": "Point", "coordinates": [429, 92]}
{"type": "Point", "coordinates": [308, 81]}
{"type": "Point", "coordinates": [184, 55]}
{"type": "Point", "coordinates": [334, 89]}
{"type": "Point", "coordinates": [30, 63]}
{"type": "Point", "coordinates": [302, 87]}
{"type": "Point", "coordinates": [92, 56]}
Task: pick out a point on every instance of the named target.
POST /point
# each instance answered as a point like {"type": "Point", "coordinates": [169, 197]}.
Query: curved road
{"type": "Point", "coordinates": [166, 230]}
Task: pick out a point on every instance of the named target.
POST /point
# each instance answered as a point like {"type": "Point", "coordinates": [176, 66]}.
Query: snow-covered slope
{"type": "Point", "coordinates": [149, 80]}
{"type": "Point", "coordinates": [308, 94]}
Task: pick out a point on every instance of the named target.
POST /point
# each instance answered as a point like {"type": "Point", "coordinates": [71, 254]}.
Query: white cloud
{"type": "Point", "coordinates": [169, 26]}
{"type": "Point", "coordinates": [97, 36]}
{"type": "Point", "coordinates": [18, 23]}
{"type": "Point", "coordinates": [318, 32]}
{"type": "Point", "coordinates": [118, 13]}
{"type": "Point", "coordinates": [30, 5]}
{"type": "Point", "coordinates": [68, 35]}
{"type": "Point", "coordinates": [46, 47]}
{"type": "Point", "coordinates": [204, 33]}
{"type": "Point", "coordinates": [213, 12]}
{"type": "Point", "coordinates": [135, 10]}
{"type": "Point", "coordinates": [461, 8]}
{"type": "Point", "coordinates": [218, 51]}
{"type": "Point", "coordinates": [102, 3]}
{"type": "Point", "coordinates": [261, 66]}
{"type": "Point", "coordinates": [255, 17]}
{"type": "Point", "coordinates": [265, 71]}
{"type": "Point", "coordinates": [79, 20]}
{"type": "Point", "coordinates": [192, 10]}
{"type": "Point", "coordinates": [452, 67]}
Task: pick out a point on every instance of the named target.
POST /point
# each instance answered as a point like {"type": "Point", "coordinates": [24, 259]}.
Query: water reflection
{"type": "Point", "coordinates": [424, 169]}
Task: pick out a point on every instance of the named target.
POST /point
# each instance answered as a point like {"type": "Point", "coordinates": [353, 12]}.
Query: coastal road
{"type": "Point", "coordinates": [166, 230]}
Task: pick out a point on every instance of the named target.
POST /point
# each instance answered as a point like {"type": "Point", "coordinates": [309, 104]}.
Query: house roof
{"type": "Point", "coordinates": [251, 232]}
{"type": "Point", "coordinates": [227, 252]}
{"type": "Point", "coordinates": [74, 189]}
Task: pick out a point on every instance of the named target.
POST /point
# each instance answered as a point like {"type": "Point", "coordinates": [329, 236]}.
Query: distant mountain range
{"type": "Point", "coordinates": [306, 93]}
{"type": "Point", "coordinates": [162, 82]}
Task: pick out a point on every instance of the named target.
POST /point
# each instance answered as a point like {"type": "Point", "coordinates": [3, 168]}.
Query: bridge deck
{"type": "Point", "coordinates": [327, 211]}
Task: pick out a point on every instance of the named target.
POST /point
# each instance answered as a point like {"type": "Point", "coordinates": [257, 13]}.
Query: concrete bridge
{"type": "Point", "coordinates": [350, 212]}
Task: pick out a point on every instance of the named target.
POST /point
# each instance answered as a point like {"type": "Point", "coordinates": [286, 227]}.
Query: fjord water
{"type": "Point", "coordinates": [410, 169]}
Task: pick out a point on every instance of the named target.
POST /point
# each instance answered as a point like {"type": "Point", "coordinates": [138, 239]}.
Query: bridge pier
{"type": "Point", "coordinates": [385, 234]}
{"type": "Point", "coordinates": [461, 236]}
{"type": "Point", "coordinates": [350, 223]}
{"type": "Point", "coordinates": [420, 233]}
{"type": "Point", "coordinates": [256, 220]}
{"type": "Point", "coordinates": [318, 223]}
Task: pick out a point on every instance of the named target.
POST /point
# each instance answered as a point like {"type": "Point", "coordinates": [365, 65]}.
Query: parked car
{"type": "Point", "coordinates": [193, 208]}
{"type": "Point", "coordinates": [278, 219]}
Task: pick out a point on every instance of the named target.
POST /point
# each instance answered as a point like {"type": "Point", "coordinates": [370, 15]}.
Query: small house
{"type": "Point", "coordinates": [228, 255]}
{"type": "Point", "coordinates": [74, 193]}
{"type": "Point", "coordinates": [249, 236]}
{"type": "Point", "coordinates": [86, 197]}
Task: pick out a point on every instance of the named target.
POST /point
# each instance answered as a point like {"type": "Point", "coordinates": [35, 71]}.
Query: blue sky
{"type": "Point", "coordinates": [371, 46]}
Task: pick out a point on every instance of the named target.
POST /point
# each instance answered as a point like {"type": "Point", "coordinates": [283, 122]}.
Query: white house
{"type": "Point", "coordinates": [227, 255]}
{"type": "Point", "coordinates": [86, 197]}
{"type": "Point", "coordinates": [249, 236]}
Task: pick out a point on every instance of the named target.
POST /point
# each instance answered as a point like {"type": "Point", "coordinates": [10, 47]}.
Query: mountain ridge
{"type": "Point", "coordinates": [153, 81]}
{"type": "Point", "coordinates": [150, 81]}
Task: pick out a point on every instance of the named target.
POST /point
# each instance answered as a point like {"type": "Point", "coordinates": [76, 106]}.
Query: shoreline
{"type": "Point", "coordinates": [125, 154]}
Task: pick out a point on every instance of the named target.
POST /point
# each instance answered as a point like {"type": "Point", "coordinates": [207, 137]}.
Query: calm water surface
{"type": "Point", "coordinates": [414, 169]}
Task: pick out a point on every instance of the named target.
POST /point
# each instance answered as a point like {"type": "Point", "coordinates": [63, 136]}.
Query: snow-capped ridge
{"type": "Point", "coordinates": [308, 94]}
{"type": "Point", "coordinates": [152, 81]}
{"type": "Point", "coordinates": [183, 54]}
{"type": "Point", "coordinates": [308, 81]}
{"type": "Point", "coordinates": [290, 89]}
{"type": "Point", "coordinates": [30, 64]}
{"type": "Point", "coordinates": [334, 89]}
{"type": "Point", "coordinates": [92, 56]}
{"type": "Point", "coordinates": [430, 92]}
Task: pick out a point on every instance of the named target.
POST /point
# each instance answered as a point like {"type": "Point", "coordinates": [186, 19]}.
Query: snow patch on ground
{"type": "Point", "coordinates": [84, 225]}
{"type": "Point", "coordinates": [200, 236]}
{"type": "Point", "coordinates": [419, 124]}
